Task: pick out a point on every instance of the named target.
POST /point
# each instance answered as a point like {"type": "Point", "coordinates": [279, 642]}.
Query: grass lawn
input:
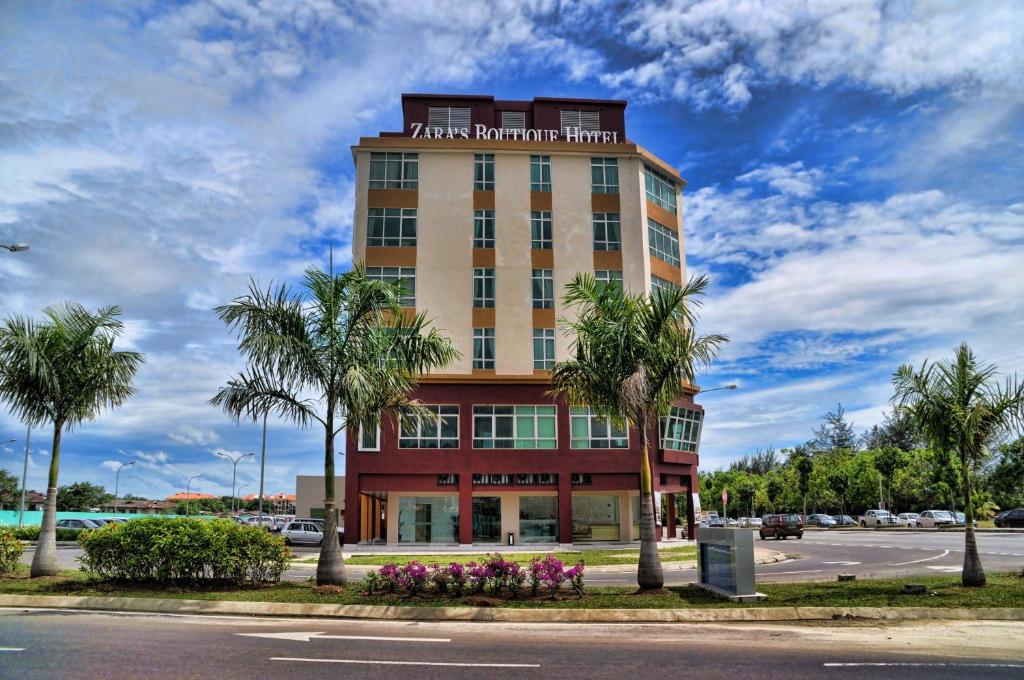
{"type": "Point", "coordinates": [592, 558]}
{"type": "Point", "coordinates": [1003, 590]}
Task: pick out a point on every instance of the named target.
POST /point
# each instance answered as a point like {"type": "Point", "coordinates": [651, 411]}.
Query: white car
{"type": "Point", "coordinates": [908, 519]}
{"type": "Point", "coordinates": [873, 518]}
{"type": "Point", "coordinates": [754, 522]}
{"type": "Point", "coordinates": [307, 533]}
{"type": "Point", "coordinates": [929, 519]}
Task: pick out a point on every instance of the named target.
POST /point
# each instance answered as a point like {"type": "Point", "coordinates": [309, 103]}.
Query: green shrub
{"type": "Point", "coordinates": [10, 551]}
{"type": "Point", "coordinates": [184, 549]}
{"type": "Point", "coordinates": [32, 533]}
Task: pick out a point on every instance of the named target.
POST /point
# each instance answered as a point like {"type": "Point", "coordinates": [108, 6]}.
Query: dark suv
{"type": "Point", "coordinates": [781, 526]}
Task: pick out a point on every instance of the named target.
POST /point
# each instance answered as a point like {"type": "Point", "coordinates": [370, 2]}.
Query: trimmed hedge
{"type": "Point", "coordinates": [184, 549]}
{"type": "Point", "coordinates": [10, 551]}
{"type": "Point", "coordinates": [32, 533]}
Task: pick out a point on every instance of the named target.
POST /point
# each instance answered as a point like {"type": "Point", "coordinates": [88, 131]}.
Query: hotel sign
{"type": "Point", "coordinates": [421, 131]}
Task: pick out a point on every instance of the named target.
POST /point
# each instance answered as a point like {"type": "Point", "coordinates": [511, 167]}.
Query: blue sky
{"type": "Point", "coordinates": [855, 185]}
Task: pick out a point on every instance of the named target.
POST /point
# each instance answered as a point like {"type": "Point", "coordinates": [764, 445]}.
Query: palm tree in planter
{"type": "Point", "coordinates": [633, 356]}
{"type": "Point", "coordinates": [340, 353]}
{"type": "Point", "coordinates": [960, 407]}
{"type": "Point", "coordinates": [63, 371]}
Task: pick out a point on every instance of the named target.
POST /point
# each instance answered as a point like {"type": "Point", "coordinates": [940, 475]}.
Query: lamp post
{"type": "Point", "coordinates": [117, 482]}
{"type": "Point", "coordinates": [24, 479]}
{"type": "Point", "coordinates": [188, 495]}
{"type": "Point", "coordinates": [234, 469]}
{"type": "Point", "coordinates": [731, 386]}
{"type": "Point", "coordinates": [263, 459]}
{"type": "Point", "coordinates": [15, 247]}
{"type": "Point", "coordinates": [240, 487]}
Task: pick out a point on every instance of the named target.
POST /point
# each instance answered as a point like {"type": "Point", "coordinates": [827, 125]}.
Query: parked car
{"type": "Point", "coordinates": [1010, 518]}
{"type": "Point", "coordinates": [729, 521]}
{"type": "Point", "coordinates": [716, 522]}
{"type": "Point", "coordinates": [931, 519]}
{"type": "Point", "coordinates": [781, 526]}
{"type": "Point", "coordinates": [820, 520]}
{"type": "Point", "coordinates": [907, 519]}
{"type": "Point", "coordinates": [961, 519]}
{"type": "Point", "coordinates": [754, 522]}
{"type": "Point", "coordinates": [115, 520]}
{"type": "Point", "coordinates": [261, 521]}
{"type": "Point", "coordinates": [77, 524]}
{"type": "Point", "coordinates": [844, 521]}
{"type": "Point", "coordinates": [307, 533]}
{"type": "Point", "coordinates": [874, 518]}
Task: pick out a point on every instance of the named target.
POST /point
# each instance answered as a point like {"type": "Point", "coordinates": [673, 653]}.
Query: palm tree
{"type": "Point", "coordinates": [63, 371]}
{"type": "Point", "coordinates": [634, 355]}
{"type": "Point", "coordinates": [960, 407]}
{"type": "Point", "coordinates": [341, 353]}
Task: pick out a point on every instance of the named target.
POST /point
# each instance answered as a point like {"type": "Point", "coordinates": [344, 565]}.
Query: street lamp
{"type": "Point", "coordinates": [117, 482]}
{"type": "Point", "coordinates": [15, 247]}
{"type": "Point", "coordinates": [234, 469]}
{"type": "Point", "coordinates": [188, 494]}
{"type": "Point", "coordinates": [242, 486]}
{"type": "Point", "coordinates": [723, 387]}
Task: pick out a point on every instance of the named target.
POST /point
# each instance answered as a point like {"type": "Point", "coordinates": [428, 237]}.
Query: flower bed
{"type": "Point", "coordinates": [494, 577]}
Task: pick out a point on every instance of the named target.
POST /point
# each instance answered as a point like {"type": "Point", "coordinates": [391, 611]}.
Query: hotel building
{"type": "Point", "coordinates": [485, 210]}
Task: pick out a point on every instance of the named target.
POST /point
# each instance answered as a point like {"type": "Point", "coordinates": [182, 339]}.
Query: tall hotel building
{"type": "Point", "coordinates": [486, 209]}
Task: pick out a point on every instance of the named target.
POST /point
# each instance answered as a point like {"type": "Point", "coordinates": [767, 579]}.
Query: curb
{"type": "Point", "coordinates": [399, 613]}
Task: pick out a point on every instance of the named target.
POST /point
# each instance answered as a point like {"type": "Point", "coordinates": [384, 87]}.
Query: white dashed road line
{"type": "Point", "coordinates": [926, 559]}
{"type": "Point", "coordinates": [372, 662]}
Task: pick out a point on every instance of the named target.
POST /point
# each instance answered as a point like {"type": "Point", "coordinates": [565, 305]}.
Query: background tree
{"type": "Point", "coordinates": [81, 496]}
{"type": "Point", "coordinates": [63, 371]}
{"type": "Point", "coordinates": [203, 505]}
{"type": "Point", "coordinates": [887, 461]}
{"type": "Point", "coordinates": [897, 430]}
{"type": "Point", "coordinates": [1005, 478]}
{"type": "Point", "coordinates": [340, 354]}
{"type": "Point", "coordinates": [835, 432]}
{"type": "Point", "coordinates": [10, 490]}
{"type": "Point", "coordinates": [633, 355]}
{"type": "Point", "coordinates": [839, 481]}
{"type": "Point", "coordinates": [804, 466]}
{"type": "Point", "coordinates": [960, 407]}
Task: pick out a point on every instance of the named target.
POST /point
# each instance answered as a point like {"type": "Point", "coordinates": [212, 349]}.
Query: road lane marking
{"type": "Point", "coordinates": [947, 569]}
{"type": "Point", "coordinates": [927, 559]}
{"type": "Point", "coordinates": [371, 662]}
{"type": "Point", "coordinates": [806, 571]}
{"type": "Point", "coordinates": [920, 664]}
{"type": "Point", "coordinates": [306, 637]}
{"type": "Point", "coordinates": [12, 649]}
{"type": "Point", "coordinates": [845, 564]}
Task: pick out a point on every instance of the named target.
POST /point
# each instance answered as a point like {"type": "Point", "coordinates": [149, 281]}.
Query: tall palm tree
{"type": "Point", "coordinates": [960, 407]}
{"type": "Point", "coordinates": [633, 356]}
{"type": "Point", "coordinates": [63, 371]}
{"type": "Point", "coordinates": [340, 353]}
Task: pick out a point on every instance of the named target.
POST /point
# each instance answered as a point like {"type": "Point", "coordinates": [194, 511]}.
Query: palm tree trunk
{"type": "Point", "coordinates": [974, 573]}
{"type": "Point", "coordinates": [44, 562]}
{"type": "Point", "coordinates": [330, 569]}
{"type": "Point", "coordinates": [649, 574]}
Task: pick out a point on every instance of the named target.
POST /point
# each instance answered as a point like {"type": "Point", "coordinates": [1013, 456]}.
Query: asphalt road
{"type": "Point", "coordinates": [42, 644]}
{"type": "Point", "coordinates": [818, 556]}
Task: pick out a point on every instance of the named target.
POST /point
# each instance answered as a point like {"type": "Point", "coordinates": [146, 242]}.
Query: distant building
{"type": "Point", "coordinates": [33, 500]}
{"type": "Point", "coordinates": [309, 496]}
{"type": "Point", "coordinates": [279, 503]}
{"type": "Point", "coordinates": [141, 507]}
{"type": "Point", "coordinates": [193, 496]}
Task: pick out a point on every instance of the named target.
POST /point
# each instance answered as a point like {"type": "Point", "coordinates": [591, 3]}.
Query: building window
{"type": "Point", "coordinates": [663, 242]}
{"type": "Point", "coordinates": [607, 233]}
{"type": "Point", "coordinates": [543, 348]}
{"type": "Point", "coordinates": [394, 170]}
{"type": "Point", "coordinates": [660, 189]}
{"type": "Point", "coordinates": [590, 431]}
{"type": "Point", "coordinates": [448, 118]}
{"type": "Point", "coordinates": [538, 518]}
{"type": "Point", "coordinates": [483, 172]}
{"type": "Point", "coordinates": [540, 229]}
{"type": "Point", "coordinates": [404, 276]}
{"type": "Point", "coordinates": [369, 440]}
{"type": "Point", "coordinates": [428, 519]}
{"type": "Point", "coordinates": [543, 289]}
{"type": "Point", "coordinates": [492, 480]}
{"type": "Point", "coordinates": [604, 175]}
{"type": "Point", "coordinates": [437, 431]}
{"type": "Point", "coordinates": [581, 479]}
{"type": "Point", "coordinates": [537, 479]}
{"type": "Point", "coordinates": [483, 228]}
{"type": "Point", "coordinates": [589, 121]}
{"type": "Point", "coordinates": [660, 284]}
{"type": "Point", "coordinates": [514, 427]}
{"type": "Point", "coordinates": [680, 429]}
{"type": "Point", "coordinates": [448, 480]}
{"type": "Point", "coordinates": [483, 287]}
{"type": "Point", "coordinates": [540, 173]}
{"type": "Point", "coordinates": [391, 227]}
{"type": "Point", "coordinates": [608, 277]}
{"type": "Point", "coordinates": [483, 348]}
{"type": "Point", "coordinates": [513, 120]}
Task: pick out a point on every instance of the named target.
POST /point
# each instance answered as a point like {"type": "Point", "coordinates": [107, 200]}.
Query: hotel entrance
{"type": "Point", "coordinates": [373, 516]}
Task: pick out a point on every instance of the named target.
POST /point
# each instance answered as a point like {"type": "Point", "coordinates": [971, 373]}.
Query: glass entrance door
{"type": "Point", "coordinates": [486, 519]}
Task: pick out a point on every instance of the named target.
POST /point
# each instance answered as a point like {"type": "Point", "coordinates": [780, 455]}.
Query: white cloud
{"type": "Point", "coordinates": [194, 436]}
{"type": "Point", "coordinates": [790, 179]}
{"type": "Point", "coordinates": [712, 52]}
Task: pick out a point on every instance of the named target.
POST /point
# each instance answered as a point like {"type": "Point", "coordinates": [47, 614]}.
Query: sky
{"type": "Point", "coordinates": [855, 186]}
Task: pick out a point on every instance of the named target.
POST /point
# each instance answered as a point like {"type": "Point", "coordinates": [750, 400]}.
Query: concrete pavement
{"type": "Point", "coordinates": [60, 644]}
